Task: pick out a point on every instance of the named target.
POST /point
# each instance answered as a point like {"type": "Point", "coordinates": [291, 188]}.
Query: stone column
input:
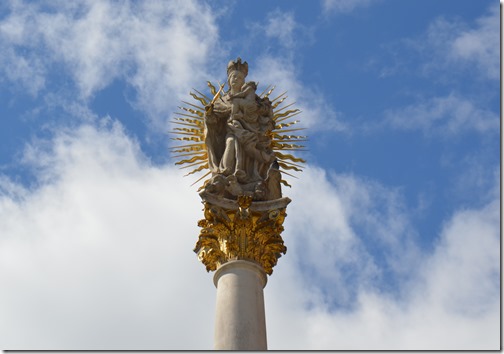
{"type": "Point", "coordinates": [240, 240]}
{"type": "Point", "coordinates": [240, 322]}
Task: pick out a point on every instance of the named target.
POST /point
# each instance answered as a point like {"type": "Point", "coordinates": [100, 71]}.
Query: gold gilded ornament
{"type": "Point", "coordinates": [241, 230]}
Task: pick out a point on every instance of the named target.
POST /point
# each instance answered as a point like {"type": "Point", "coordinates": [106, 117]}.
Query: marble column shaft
{"type": "Point", "coordinates": [240, 322]}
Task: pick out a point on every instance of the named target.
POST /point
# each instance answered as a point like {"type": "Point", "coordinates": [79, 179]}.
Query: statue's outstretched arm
{"type": "Point", "coordinates": [209, 107]}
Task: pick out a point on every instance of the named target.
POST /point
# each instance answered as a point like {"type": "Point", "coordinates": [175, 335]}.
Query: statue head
{"type": "Point", "coordinates": [237, 65]}
{"type": "Point", "coordinates": [237, 71]}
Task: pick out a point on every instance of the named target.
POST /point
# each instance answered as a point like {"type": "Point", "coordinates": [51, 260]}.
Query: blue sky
{"type": "Point", "coordinates": [393, 232]}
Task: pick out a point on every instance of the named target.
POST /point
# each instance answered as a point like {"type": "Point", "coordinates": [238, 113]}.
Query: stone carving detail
{"type": "Point", "coordinates": [238, 129]}
{"type": "Point", "coordinates": [239, 137]}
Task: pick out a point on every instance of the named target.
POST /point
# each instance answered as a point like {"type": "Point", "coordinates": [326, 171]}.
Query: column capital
{"type": "Point", "coordinates": [241, 230]}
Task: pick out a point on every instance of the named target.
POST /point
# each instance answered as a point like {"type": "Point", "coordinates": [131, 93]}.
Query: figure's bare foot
{"type": "Point", "coordinates": [233, 186]}
{"type": "Point", "coordinates": [241, 176]}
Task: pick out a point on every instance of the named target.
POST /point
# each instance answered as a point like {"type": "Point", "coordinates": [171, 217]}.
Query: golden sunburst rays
{"type": "Point", "coordinates": [281, 138]}
{"type": "Point", "coordinates": [189, 131]}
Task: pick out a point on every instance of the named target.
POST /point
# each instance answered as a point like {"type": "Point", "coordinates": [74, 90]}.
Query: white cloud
{"type": "Point", "coordinates": [445, 116]}
{"type": "Point", "coordinates": [159, 48]}
{"type": "Point", "coordinates": [480, 44]}
{"type": "Point", "coordinates": [457, 43]}
{"type": "Point", "coordinates": [448, 50]}
{"type": "Point", "coordinates": [98, 256]}
{"type": "Point", "coordinates": [467, 254]}
{"type": "Point", "coordinates": [279, 70]}
{"type": "Point", "coordinates": [322, 244]}
{"type": "Point", "coordinates": [344, 6]}
{"type": "Point", "coordinates": [281, 25]}
{"type": "Point", "coordinates": [23, 73]}
{"type": "Point", "coordinates": [450, 299]}
{"type": "Point", "coordinates": [358, 223]}
{"type": "Point", "coordinates": [318, 114]}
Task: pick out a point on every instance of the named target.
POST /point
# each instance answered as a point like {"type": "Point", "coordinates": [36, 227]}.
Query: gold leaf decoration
{"type": "Point", "coordinates": [241, 233]}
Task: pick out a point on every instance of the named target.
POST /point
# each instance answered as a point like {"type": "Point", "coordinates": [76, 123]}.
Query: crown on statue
{"type": "Point", "coordinates": [238, 65]}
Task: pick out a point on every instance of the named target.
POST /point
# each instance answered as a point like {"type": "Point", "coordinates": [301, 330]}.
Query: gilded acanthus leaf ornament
{"type": "Point", "coordinates": [241, 229]}
{"type": "Point", "coordinates": [236, 139]}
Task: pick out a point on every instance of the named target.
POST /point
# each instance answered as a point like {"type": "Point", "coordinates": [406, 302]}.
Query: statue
{"type": "Point", "coordinates": [238, 129]}
{"type": "Point", "coordinates": [238, 136]}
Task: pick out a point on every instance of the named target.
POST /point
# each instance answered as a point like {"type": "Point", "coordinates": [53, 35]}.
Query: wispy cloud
{"type": "Point", "coordinates": [280, 68]}
{"type": "Point", "coordinates": [281, 25]}
{"type": "Point", "coordinates": [444, 116]}
{"type": "Point", "coordinates": [99, 42]}
{"type": "Point", "coordinates": [467, 45]}
{"type": "Point", "coordinates": [287, 33]}
{"type": "Point", "coordinates": [448, 49]}
{"type": "Point", "coordinates": [364, 238]}
{"type": "Point", "coordinates": [344, 6]}
{"type": "Point", "coordinates": [318, 114]}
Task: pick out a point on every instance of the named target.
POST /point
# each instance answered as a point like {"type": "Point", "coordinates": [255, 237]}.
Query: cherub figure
{"type": "Point", "coordinates": [244, 103]}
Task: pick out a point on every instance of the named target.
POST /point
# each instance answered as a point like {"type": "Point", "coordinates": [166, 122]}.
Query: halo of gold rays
{"type": "Point", "coordinates": [190, 131]}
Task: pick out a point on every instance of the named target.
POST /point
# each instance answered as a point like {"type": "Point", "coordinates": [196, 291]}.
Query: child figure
{"type": "Point", "coordinates": [250, 130]}
{"type": "Point", "coordinates": [244, 103]}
